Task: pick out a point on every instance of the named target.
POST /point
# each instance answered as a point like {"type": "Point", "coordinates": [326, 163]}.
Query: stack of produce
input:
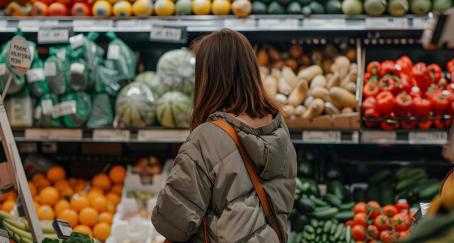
{"type": "Point", "coordinates": [325, 85]}
{"type": "Point", "coordinates": [88, 207]}
{"type": "Point", "coordinates": [407, 183]}
{"type": "Point", "coordinates": [305, 7]}
{"type": "Point", "coordinates": [394, 7]}
{"type": "Point", "coordinates": [385, 224]}
{"type": "Point", "coordinates": [402, 94]}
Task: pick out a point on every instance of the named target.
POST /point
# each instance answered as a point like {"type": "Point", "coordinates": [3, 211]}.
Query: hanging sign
{"type": "Point", "coordinates": [19, 55]}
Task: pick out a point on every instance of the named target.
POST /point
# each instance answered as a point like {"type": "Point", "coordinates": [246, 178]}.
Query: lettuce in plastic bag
{"type": "Point", "coordinates": [74, 108]}
{"type": "Point", "coordinates": [102, 112]}
{"type": "Point", "coordinates": [107, 79]}
{"type": "Point", "coordinates": [122, 56]}
{"type": "Point", "coordinates": [43, 112]}
{"type": "Point", "coordinates": [37, 79]}
{"type": "Point", "coordinates": [56, 68]}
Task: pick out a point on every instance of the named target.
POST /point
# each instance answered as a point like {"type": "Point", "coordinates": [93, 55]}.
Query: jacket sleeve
{"type": "Point", "coordinates": [184, 200]}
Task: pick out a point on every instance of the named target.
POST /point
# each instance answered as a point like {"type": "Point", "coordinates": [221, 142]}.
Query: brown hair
{"type": "Point", "coordinates": [227, 78]}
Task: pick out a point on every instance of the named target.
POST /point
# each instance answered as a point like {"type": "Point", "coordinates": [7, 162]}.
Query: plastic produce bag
{"type": "Point", "coordinates": [176, 69]}
{"type": "Point", "coordinates": [79, 79]}
{"type": "Point", "coordinates": [56, 69]}
{"type": "Point", "coordinates": [122, 57]}
{"type": "Point", "coordinates": [74, 108]}
{"type": "Point", "coordinates": [36, 78]}
{"type": "Point", "coordinates": [43, 112]}
{"type": "Point", "coordinates": [107, 79]}
{"type": "Point", "coordinates": [20, 110]}
{"type": "Point", "coordinates": [153, 81]}
{"type": "Point", "coordinates": [135, 106]}
{"type": "Point", "coordinates": [101, 113]}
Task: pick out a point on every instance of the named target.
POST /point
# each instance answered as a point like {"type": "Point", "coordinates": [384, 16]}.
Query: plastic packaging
{"type": "Point", "coordinates": [44, 110]}
{"type": "Point", "coordinates": [20, 110]}
{"type": "Point", "coordinates": [74, 108]}
{"type": "Point", "coordinates": [37, 79]}
{"type": "Point", "coordinates": [56, 69]}
{"type": "Point", "coordinates": [135, 106]}
{"type": "Point", "coordinates": [107, 79]}
{"type": "Point", "coordinates": [102, 112]}
{"type": "Point", "coordinates": [176, 69]}
{"type": "Point", "coordinates": [122, 57]}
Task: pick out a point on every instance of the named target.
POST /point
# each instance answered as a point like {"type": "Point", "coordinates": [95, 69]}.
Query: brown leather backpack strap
{"type": "Point", "coordinates": [261, 194]}
{"type": "Point", "coordinates": [205, 231]}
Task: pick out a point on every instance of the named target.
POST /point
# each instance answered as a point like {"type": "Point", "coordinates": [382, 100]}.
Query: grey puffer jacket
{"type": "Point", "coordinates": [209, 177]}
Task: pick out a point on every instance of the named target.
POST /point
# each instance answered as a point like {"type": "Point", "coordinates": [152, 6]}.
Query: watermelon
{"type": "Point", "coordinates": [135, 106]}
{"type": "Point", "coordinates": [174, 110]}
{"type": "Point", "coordinates": [176, 69]}
{"type": "Point", "coordinates": [152, 80]}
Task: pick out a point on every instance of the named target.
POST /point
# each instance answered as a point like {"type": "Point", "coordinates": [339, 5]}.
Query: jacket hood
{"type": "Point", "coordinates": [266, 146]}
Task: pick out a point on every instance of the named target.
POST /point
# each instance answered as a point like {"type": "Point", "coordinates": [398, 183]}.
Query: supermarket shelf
{"type": "Point", "coordinates": [211, 23]}
{"type": "Point", "coordinates": [159, 135]}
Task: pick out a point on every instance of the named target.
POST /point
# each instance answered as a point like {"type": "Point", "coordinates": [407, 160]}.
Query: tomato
{"type": "Point", "coordinates": [359, 232]}
{"type": "Point", "coordinates": [400, 222]}
{"type": "Point", "coordinates": [390, 210]}
{"type": "Point", "coordinates": [373, 209]}
{"type": "Point", "coordinates": [372, 231]}
{"type": "Point", "coordinates": [360, 208]}
{"type": "Point", "coordinates": [403, 234]}
{"type": "Point", "coordinates": [386, 236]}
{"type": "Point", "coordinates": [350, 223]}
{"type": "Point", "coordinates": [360, 219]}
{"type": "Point", "coordinates": [402, 204]}
{"type": "Point", "coordinates": [382, 222]}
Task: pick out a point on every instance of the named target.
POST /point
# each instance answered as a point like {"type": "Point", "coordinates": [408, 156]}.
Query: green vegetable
{"type": "Point", "coordinates": [327, 226]}
{"type": "Point", "coordinates": [325, 214]}
{"type": "Point", "coordinates": [347, 206]}
{"type": "Point", "coordinates": [101, 113]}
{"type": "Point", "coordinates": [333, 200]}
{"type": "Point", "coordinates": [318, 202]}
{"type": "Point", "coordinates": [305, 205]}
{"type": "Point", "coordinates": [345, 216]}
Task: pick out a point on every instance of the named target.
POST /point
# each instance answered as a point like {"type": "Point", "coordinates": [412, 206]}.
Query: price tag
{"type": "Point", "coordinates": [322, 136]}
{"type": "Point", "coordinates": [49, 148]}
{"type": "Point", "coordinates": [36, 74]}
{"type": "Point", "coordinates": [278, 23]}
{"type": "Point", "coordinates": [62, 228]}
{"type": "Point", "coordinates": [162, 135]}
{"type": "Point", "coordinates": [90, 25]}
{"type": "Point", "coordinates": [355, 137]}
{"type": "Point", "coordinates": [36, 134]}
{"type": "Point", "coordinates": [2, 69]}
{"type": "Point", "coordinates": [240, 23]}
{"type": "Point", "coordinates": [379, 137]}
{"type": "Point", "coordinates": [19, 55]}
{"type": "Point", "coordinates": [53, 35]}
{"type": "Point", "coordinates": [4, 237]}
{"type": "Point", "coordinates": [3, 24]}
{"type": "Point", "coordinates": [28, 148]}
{"type": "Point", "coordinates": [419, 22]}
{"type": "Point", "coordinates": [29, 24]}
{"type": "Point", "coordinates": [111, 135]}
{"type": "Point", "coordinates": [65, 134]}
{"type": "Point", "coordinates": [134, 23]}
{"type": "Point", "coordinates": [168, 33]}
{"type": "Point", "coordinates": [64, 108]}
{"type": "Point", "coordinates": [386, 22]}
{"type": "Point", "coordinates": [424, 137]}
{"type": "Point", "coordinates": [332, 23]}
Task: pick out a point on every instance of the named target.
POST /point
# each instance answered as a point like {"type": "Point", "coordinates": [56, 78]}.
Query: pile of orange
{"type": "Point", "coordinates": [88, 206]}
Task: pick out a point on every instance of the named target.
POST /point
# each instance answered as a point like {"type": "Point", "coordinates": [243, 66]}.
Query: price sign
{"type": "Point", "coordinates": [240, 23]}
{"type": "Point", "coordinates": [19, 55]}
{"type": "Point", "coordinates": [111, 135]}
{"type": "Point", "coordinates": [134, 23]}
{"type": "Point", "coordinates": [3, 24]}
{"type": "Point", "coordinates": [322, 136]}
{"type": "Point", "coordinates": [379, 137]}
{"type": "Point", "coordinates": [279, 23]}
{"type": "Point", "coordinates": [386, 23]}
{"type": "Point", "coordinates": [65, 134]}
{"type": "Point", "coordinates": [62, 228]}
{"type": "Point", "coordinates": [162, 135]}
{"type": "Point", "coordinates": [91, 25]}
{"type": "Point", "coordinates": [4, 237]}
{"type": "Point", "coordinates": [333, 23]}
{"type": "Point", "coordinates": [424, 137]}
{"type": "Point", "coordinates": [419, 22]}
{"type": "Point", "coordinates": [36, 134]}
{"type": "Point", "coordinates": [53, 35]}
{"type": "Point", "coordinates": [168, 33]}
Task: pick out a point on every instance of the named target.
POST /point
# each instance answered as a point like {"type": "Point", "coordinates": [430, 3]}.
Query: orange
{"type": "Point", "coordinates": [101, 231]}
{"type": "Point", "coordinates": [105, 217]}
{"type": "Point", "coordinates": [56, 173]}
{"type": "Point", "coordinates": [101, 181]}
{"type": "Point", "coordinates": [38, 176]}
{"type": "Point", "coordinates": [99, 203]}
{"type": "Point", "coordinates": [67, 192]}
{"type": "Point", "coordinates": [3, 197]}
{"type": "Point", "coordinates": [83, 230]}
{"type": "Point", "coordinates": [12, 196]}
{"type": "Point", "coordinates": [37, 205]}
{"type": "Point", "coordinates": [88, 217]}
{"type": "Point", "coordinates": [49, 196]}
{"type": "Point", "coordinates": [42, 183]}
{"type": "Point", "coordinates": [61, 185]}
{"type": "Point", "coordinates": [94, 193]}
{"type": "Point", "coordinates": [72, 182]}
{"type": "Point", "coordinates": [117, 174]}
{"type": "Point", "coordinates": [61, 205]}
{"type": "Point", "coordinates": [111, 207]}
{"type": "Point", "coordinates": [33, 189]}
{"type": "Point", "coordinates": [79, 202]}
{"type": "Point", "coordinates": [8, 205]}
{"type": "Point", "coordinates": [80, 186]}
{"type": "Point", "coordinates": [45, 212]}
{"type": "Point", "coordinates": [117, 188]}
{"type": "Point", "coordinates": [113, 198]}
{"type": "Point", "coordinates": [69, 215]}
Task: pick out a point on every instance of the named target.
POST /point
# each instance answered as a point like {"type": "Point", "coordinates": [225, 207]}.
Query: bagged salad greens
{"type": "Point", "coordinates": [102, 114]}
{"type": "Point", "coordinates": [43, 112]}
{"type": "Point", "coordinates": [107, 79]}
{"type": "Point", "coordinates": [36, 78]}
{"type": "Point", "coordinates": [56, 69]}
{"type": "Point", "coordinates": [123, 58]}
{"type": "Point", "coordinates": [74, 108]}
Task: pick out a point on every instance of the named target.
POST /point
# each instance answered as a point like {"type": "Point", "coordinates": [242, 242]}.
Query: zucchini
{"type": "Point", "coordinates": [309, 229]}
{"type": "Point", "coordinates": [405, 184]}
{"type": "Point", "coordinates": [387, 195]}
{"type": "Point", "coordinates": [348, 234]}
{"type": "Point", "coordinates": [338, 232]}
{"type": "Point", "coordinates": [347, 206]}
{"type": "Point", "coordinates": [317, 201]}
{"type": "Point", "coordinates": [345, 216]}
{"type": "Point", "coordinates": [333, 200]}
{"type": "Point", "coordinates": [314, 223]}
{"type": "Point", "coordinates": [333, 230]}
{"type": "Point", "coordinates": [305, 205]}
{"type": "Point", "coordinates": [325, 214]}
{"type": "Point", "coordinates": [430, 227]}
{"type": "Point", "coordinates": [336, 188]}
{"type": "Point", "coordinates": [327, 226]}
{"type": "Point", "coordinates": [429, 192]}
{"type": "Point", "coordinates": [380, 177]}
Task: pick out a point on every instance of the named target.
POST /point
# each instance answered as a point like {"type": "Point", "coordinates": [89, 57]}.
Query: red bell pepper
{"type": "Point", "coordinates": [408, 123]}
{"type": "Point", "coordinates": [388, 83]}
{"type": "Point", "coordinates": [421, 76]}
{"type": "Point", "coordinates": [367, 77]}
{"type": "Point", "coordinates": [373, 79]}
{"type": "Point", "coordinates": [431, 91]}
{"type": "Point", "coordinates": [450, 66]}
{"type": "Point", "coordinates": [405, 65]}
{"type": "Point", "coordinates": [372, 117]}
{"type": "Point", "coordinates": [415, 91]}
{"type": "Point", "coordinates": [425, 123]}
{"type": "Point", "coordinates": [385, 102]}
{"type": "Point", "coordinates": [447, 122]}
{"type": "Point", "coordinates": [369, 103]}
{"type": "Point", "coordinates": [373, 68]}
{"type": "Point", "coordinates": [434, 72]}
{"type": "Point", "coordinates": [422, 107]}
{"type": "Point", "coordinates": [371, 89]}
{"type": "Point", "coordinates": [440, 102]}
{"type": "Point", "coordinates": [390, 123]}
{"type": "Point", "coordinates": [404, 104]}
{"type": "Point", "coordinates": [442, 83]}
{"type": "Point", "coordinates": [388, 67]}
{"type": "Point", "coordinates": [405, 82]}
{"type": "Point", "coordinates": [438, 123]}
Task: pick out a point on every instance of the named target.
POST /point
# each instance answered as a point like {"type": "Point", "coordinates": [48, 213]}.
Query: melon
{"type": "Point", "coordinates": [152, 80]}
{"type": "Point", "coordinates": [142, 8]}
{"type": "Point", "coordinates": [183, 7]}
{"type": "Point", "coordinates": [220, 7]}
{"type": "Point", "coordinates": [176, 69]}
{"type": "Point", "coordinates": [164, 8]}
{"type": "Point", "coordinates": [242, 8]}
{"type": "Point", "coordinates": [135, 106]}
{"type": "Point", "coordinates": [122, 9]}
{"type": "Point", "coordinates": [174, 110]}
{"type": "Point", "coordinates": [201, 7]}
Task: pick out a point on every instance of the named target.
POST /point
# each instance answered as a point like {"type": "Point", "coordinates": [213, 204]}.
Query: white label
{"type": "Point", "coordinates": [322, 136]}
{"type": "Point", "coordinates": [76, 41]}
{"type": "Point", "coordinates": [379, 136]}
{"type": "Point", "coordinates": [65, 134]}
{"type": "Point", "coordinates": [111, 135]}
{"type": "Point", "coordinates": [53, 35]}
{"type": "Point", "coordinates": [134, 23]}
{"type": "Point", "coordinates": [92, 24]}
{"type": "Point", "coordinates": [166, 33]}
{"type": "Point", "coordinates": [36, 74]}
{"type": "Point", "coordinates": [424, 137]}
{"type": "Point", "coordinates": [331, 23]}
{"type": "Point", "coordinates": [28, 147]}
{"type": "Point", "coordinates": [4, 237]}
{"type": "Point", "coordinates": [113, 52]}
{"type": "Point", "coordinates": [386, 22]}
{"type": "Point", "coordinates": [36, 134]}
{"type": "Point", "coordinates": [163, 135]}
{"type": "Point", "coordinates": [279, 23]}
{"type": "Point", "coordinates": [239, 23]}
{"type": "Point", "coordinates": [50, 69]}
{"type": "Point", "coordinates": [64, 108]}
{"type": "Point", "coordinates": [419, 22]}
{"type": "Point", "coordinates": [77, 68]}
{"type": "Point", "coordinates": [19, 55]}
{"type": "Point", "coordinates": [47, 107]}
{"type": "Point", "coordinates": [424, 208]}
{"type": "Point", "coordinates": [2, 69]}
{"type": "Point", "coordinates": [3, 24]}
{"type": "Point", "coordinates": [29, 24]}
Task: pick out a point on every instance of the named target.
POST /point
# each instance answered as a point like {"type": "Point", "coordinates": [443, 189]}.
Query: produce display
{"type": "Point", "coordinates": [310, 85]}
{"type": "Point", "coordinates": [394, 7]}
{"type": "Point", "coordinates": [408, 95]}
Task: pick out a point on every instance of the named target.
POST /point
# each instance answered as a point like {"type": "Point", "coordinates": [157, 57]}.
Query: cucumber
{"type": "Point", "coordinates": [402, 172]}
{"type": "Point", "coordinates": [309, 229]}
{"type": "Point", "coordinates": [405, 184]}
{"type": "Point", "coordinates": [313, 189]}
{"type": "Point", "coordinates": [299, 222]}
{"type": "Point", "coordinates": [325, 214]}
{"type": "Point", "coordinates": [333, 200]}
{"type": "Point", "coordinates": [338, 232]}
{"type": "Point", "coordinates": [314, 223]}
{"type": "Point", "coordinates": [380, 176]}
{"type": "Point", "coordinates": [321, 209]}
{"type": "Point", "coordinates": [17, 231]}
{"type": "Point", "coordinates": [345, 216]}
{"type": "Point", "coordinates": [305, 205]}
{"type": "Point", "coordinates": [318, 202]}
{"type": "Point", "coordinates": [336, 188]}
{"type": "Point", "coordinates": [332, 231]}
{"type": "Point", "coordinates": [348, 234]}
{"type": "Point", "coordinates": [429, 192]}
{"type": "Point", "coordinates": [327, 226]}
{"type": "Point", "coordinates": [347, 206]}
{"type": "Point", "coordinates": [324, 237]}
